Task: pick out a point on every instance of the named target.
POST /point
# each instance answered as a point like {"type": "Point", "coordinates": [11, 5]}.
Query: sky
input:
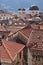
{"type": "Point", "coordinates": [14, 5]}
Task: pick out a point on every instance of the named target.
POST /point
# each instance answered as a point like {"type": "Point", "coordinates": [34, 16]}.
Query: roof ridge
{"type": "Point", "coordinates": [7, 51]}
{"type": "Point", "coordinates": [10, 55]}
{"type": "Point", "coordinates": [30, 36]}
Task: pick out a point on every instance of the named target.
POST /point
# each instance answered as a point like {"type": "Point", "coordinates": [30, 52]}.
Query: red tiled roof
{"type": "Point", "coordinates": [3, 53]}
{"type": "Point", "coordinates": [36, 40]}
{"type": "Point", "coordinates": [38, 47]}
{"type": "Point", "coordinates": [26, 31]}
{"type": "Point", "coordinates": [10, 49]}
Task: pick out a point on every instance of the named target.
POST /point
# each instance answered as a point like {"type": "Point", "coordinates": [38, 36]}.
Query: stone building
{"type": "Point", "coordinates": [34, 10]}
{"type": "Point", "coordinates": [35, 45]}
{"type": "Point", "coordinates": [22, 37]}
{"type": "Point", "coordinates": [21, 11]}
{"type": "Point", "coordinates": [4, 32]}
{"type": "Point", "coordinates": [32, 38]}
{"type": "Point", "coordinates": [5, 15]}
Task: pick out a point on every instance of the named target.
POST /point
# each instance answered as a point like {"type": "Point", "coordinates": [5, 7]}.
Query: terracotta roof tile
{"type": "Point", "coordinates": [36, 40]}
{"type": "Point", "coordinates": [12, 47]}
{"type": "Point", "coordinates": [3, 53]}
{"type": "Point", "coordinates": [26, 31]}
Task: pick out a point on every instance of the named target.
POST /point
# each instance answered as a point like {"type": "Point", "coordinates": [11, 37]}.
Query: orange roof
{"type": "Point", "coordinates": [10, 49]}
{"type": "Point", "coordinates": [3, 53]}
{"type": "Point", "coordinates": [36, 40]}
{"type": "Point", "coordinates": [26, 31]}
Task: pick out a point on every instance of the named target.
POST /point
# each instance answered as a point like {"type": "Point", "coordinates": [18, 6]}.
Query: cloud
{"type": "Point", "coordinates": [4, 6]}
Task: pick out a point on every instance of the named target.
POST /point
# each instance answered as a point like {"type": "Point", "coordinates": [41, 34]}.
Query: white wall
{"type": "Point", "coordinates": [34, 12]}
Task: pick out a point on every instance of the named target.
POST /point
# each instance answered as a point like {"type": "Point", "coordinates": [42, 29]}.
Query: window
{"type": "Point", "coordinates": [37, 58]}
{"type": "Point", "coordinates": [32, 11]}
{"type": "Point", "coordinates": [33, 56]}
{"type": "Point", "coordinates": [36, 12]}
{"type": "Point", "coordinates": [10, 22]}
{"type": "Point", "coordinates": [0, 42]}
{"type": "Point", "coordinates": [20, 55]}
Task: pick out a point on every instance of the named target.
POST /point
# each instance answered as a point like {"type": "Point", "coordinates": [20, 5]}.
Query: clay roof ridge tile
{"type": "Point", "coordinates": [7, 50]}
